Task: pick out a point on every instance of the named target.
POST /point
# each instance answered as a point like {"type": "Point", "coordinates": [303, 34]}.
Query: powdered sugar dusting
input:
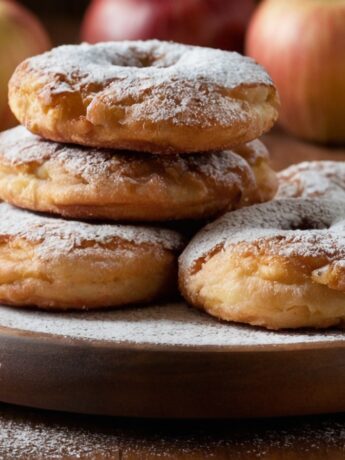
{"type": "Point", "coordinates": [172, 324]}
{"type": "Point", "coordinates": [26, 434]}
{"type": "Point", "coordinates": [37, 441]}
{"type": "Point", "coordinates": [125, 60]}
{"type": "Point", "coordinates": [155, 81]}
{"type": "Point", "coordinates": [59, 236]}
{"type": "Point", "coordinates": [18, 146]}
{"type": "Point", "coordinates": [313, 179]}
{"type": "Point", "coordinates": [275, 225]}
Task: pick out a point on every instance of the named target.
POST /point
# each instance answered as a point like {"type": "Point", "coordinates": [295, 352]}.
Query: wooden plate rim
{"type": "Point", "coordinates": [64, 340]}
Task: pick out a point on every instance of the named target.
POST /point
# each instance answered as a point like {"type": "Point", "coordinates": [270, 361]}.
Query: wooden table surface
{"type": "Point", "coordinates": [286, 150]}
{"type": "Point", "coordinates": [27, 434]}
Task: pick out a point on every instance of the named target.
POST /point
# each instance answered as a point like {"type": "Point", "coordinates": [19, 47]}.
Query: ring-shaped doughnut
{"type": "Point", "coordinates": [152, 96]}
{"type": "Point", "coordinates": [313, 179]}
{"type": "Point", "coordinates": [279, 265]}
{"type": "Point", "coordinates": [58, 264]}
{"type": "Point", "coordinates": [88, 183]}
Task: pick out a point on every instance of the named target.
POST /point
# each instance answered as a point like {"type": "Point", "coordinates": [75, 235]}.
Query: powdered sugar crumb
{"type": "Point", "coordinates": [171, 324]}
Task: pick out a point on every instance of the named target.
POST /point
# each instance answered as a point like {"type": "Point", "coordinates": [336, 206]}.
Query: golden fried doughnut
{"type": "Point", "coordinates": [257, 156]}
{"type": "Point", "coordinates": [279, 265]}
{"type": "Point", "coordinates": [52, 263]}
{"type": "Point", "coordinates": [81, 182]}
{"type": "Point", "coordinates": [153, 96]}
{"type": "Point", "coordinates": [313, 179]}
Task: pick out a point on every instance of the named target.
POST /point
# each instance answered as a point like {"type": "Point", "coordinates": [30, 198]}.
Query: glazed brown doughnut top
{"type": "Point", "coordinates": [153, 96]}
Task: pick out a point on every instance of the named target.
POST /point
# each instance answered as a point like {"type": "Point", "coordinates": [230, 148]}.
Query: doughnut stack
{"type": "Point", "coordinates": [118, 142]}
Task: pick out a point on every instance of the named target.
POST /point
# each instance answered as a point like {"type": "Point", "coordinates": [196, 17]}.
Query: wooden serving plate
{"type": "Point", "coordinates": [166, 361]}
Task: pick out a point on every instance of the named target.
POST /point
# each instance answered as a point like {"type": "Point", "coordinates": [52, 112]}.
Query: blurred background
{"type": "Point", "coordinates": [300, 42]}
{"type": "Point", "coordinates": [156, 18]}
{"type": "Point", "coordinates": [62, 19]}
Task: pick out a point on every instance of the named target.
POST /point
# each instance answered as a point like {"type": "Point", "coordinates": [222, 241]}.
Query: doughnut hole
{"type": "Point", "coordinates": [142, 60]}
{"type": "Point", "coordinates": [307, 223]}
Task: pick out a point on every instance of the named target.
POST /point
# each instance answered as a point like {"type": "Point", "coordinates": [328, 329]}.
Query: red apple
{"type": "Point", "coordinates": [215, 23]}
{"type": "Point", "coordinates": [21, 36]}
{"type": "Point", "coordinates": [302, 45]}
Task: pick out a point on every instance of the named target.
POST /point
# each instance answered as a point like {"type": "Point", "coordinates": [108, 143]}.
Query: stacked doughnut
{"type": "Point", "coordinates": [115, 136]}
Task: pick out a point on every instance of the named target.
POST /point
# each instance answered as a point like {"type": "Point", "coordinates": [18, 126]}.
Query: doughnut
{"type": "Point", "coordinates": [313, 179]}
{"type": "Point", "coordinates": [257, 156]}
{"type": "Point", "coordinates": [56, 264]}
{"type": "Point", "coordinates": [277, 265]}
{"type": "Point", "coordinates": [152, 96]}
{"type": "Point", "coordinates": [86, 183]}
